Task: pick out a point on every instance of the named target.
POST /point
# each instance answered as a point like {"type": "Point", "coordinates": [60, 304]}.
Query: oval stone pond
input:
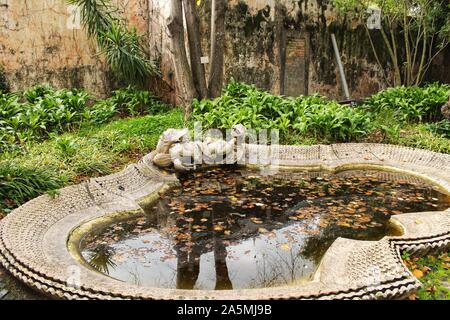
{"type": "Point", "coordinates": [234, 228]}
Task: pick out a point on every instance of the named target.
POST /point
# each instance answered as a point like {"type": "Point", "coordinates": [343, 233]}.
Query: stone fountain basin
{"type": "Point", "coordinates": [39, 241]}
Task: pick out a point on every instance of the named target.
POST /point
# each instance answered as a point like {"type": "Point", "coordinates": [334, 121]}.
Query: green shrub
{"type": "Point", "coordinates": [411, 104]}
{"type": "Point", "coordinates": [440, 128]}
{"type": "Point", "coordinates": [125, 102]}
{"type": "Point", "coordinates": [19, 184]}
{"type": "Point", "coordinates": [40, 111]}
{"type": "Point", "coordinates": [101, 112]}
{"type": "Point", "coordinates": [308, 115]}
{"type": "Point", "coordinates": [37, 92]}
{"type": "Point", "coordinates": [132, 101]}
{"type": "Point", "coordinates": [333, 121]}
{"type": "Point", "coordinates": [66, 146]}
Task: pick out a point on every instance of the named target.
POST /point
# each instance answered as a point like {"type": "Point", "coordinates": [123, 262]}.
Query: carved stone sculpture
{"type": "Point", "coordinates": [175, 149]}
{"type": "Point", "coordinates": [161, 156]}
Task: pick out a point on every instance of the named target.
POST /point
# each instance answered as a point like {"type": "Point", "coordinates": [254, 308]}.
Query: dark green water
{"type": "Point", "coordinates": [235, 228]}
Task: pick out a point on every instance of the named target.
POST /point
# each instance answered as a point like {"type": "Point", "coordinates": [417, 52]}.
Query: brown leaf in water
{"type": "Point", "coordinates": [344, 224]}
{"type": "Point", "coordinates": [323, 223]}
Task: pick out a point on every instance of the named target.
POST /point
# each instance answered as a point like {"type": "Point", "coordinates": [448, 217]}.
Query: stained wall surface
{"type": "Point", "coordinates": [42, 41]}
{"type": "Point", "coordinates": [280, 45]}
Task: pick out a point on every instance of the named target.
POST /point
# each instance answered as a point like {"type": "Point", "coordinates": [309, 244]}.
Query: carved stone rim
{"type": "Point", "coordinates": [36, 248]}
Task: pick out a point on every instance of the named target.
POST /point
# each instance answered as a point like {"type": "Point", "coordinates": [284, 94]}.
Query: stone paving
{"type": "Point", "coordinates": [39, 240]}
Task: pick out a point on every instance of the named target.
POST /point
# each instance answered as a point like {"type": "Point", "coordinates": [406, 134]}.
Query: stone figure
{"type": "Point", "coordinates": [175, 149]}
{"type": "Point", "coordinates": [161, 156]}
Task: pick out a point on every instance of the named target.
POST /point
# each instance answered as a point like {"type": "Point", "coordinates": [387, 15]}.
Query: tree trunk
{"type": "Point", "coordinates": [183, 73]}
{"type": "Point", "coordinates": [280, 38]}
{"type": "Point", "coordinates": [215, 81]}
{"type": "Point", "coordinates": [195, 48]}
{"type": "Point", "coordinates": [392, 55]}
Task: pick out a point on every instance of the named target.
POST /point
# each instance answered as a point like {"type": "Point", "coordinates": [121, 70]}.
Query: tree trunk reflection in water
{"type": "Point", "coordinates": [223, 281]}
{"type": "Point", "coordinates": [188, 266]}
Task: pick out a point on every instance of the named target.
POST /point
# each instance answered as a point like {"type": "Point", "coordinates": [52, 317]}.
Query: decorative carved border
{"type": "Point", "coordinates": [35, 246]}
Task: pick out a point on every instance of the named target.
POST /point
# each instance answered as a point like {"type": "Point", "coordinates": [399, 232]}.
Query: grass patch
{"type": "Point", "coordinates": [73, 157]}
{"type": "Point", "coordinates": [19, 184]}
{"type": "Point", "coordinates": [418, 136]}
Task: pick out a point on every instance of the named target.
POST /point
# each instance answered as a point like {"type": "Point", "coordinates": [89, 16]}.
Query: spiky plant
{"type": "Point", "coordinates": [121, 45]}
{"type": "Point", "coordinates": [19, 184]}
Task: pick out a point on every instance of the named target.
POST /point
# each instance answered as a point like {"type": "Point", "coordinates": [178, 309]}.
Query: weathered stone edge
{"type": "Point", "coordinates": [411, 160]}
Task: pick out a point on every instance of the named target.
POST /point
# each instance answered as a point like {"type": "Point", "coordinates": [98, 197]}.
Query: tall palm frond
{"type": "Point", "coordinates": [122, 46]}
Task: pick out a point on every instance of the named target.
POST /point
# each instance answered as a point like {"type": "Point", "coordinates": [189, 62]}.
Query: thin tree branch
{"type": "Point", "coordinates": [374, 50]}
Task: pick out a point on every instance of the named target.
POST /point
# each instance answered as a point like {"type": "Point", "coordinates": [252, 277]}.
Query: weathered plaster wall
{"type": "Point", "coordinates": [41, 41]}
{"type": "Point", "coordinates": [279, 45]}
{"type": "Point", "coordinates": [305, 33]}
{"type": "Point", "coordinates": [159, 48]}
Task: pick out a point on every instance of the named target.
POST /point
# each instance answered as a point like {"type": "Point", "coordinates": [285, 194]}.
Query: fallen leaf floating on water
{"type": "Point", "coordinates": [216, 203]}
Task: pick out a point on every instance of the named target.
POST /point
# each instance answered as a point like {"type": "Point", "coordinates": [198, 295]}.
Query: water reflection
{"type": "Point", "coordinates": [230, 229]}
{"type": "Point", "coordinates": [100, 258]}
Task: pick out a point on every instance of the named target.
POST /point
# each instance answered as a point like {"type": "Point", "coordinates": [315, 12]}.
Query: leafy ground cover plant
{"type": "Point", "coordinates": [411, 104]}
{"type": "Point", "coordinates": [311, 116]}
{"type": "Point", "coordinates": [441, 128]}
{"type": "Point", "coordinates": [41, 111]}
